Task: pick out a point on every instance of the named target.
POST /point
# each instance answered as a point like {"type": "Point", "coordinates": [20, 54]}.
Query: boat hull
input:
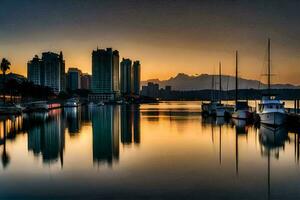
{"type": "Point", "coordinates": [272, 118]}
{"type": "Point", "coordinates": [220, 112]}
{"type": "Point", "coordinates": [241, 114]}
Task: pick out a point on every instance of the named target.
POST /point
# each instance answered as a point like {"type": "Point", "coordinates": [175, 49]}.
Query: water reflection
{"type": "Point", "coordinates": [105, 121]}
{"type": "Point", "coordinates": [73, 117]}
{"type": "Point", "coordinates": [147, 142]}
{"type": "Point", "coordinates": [48, 137]}
{"type": "Point", "coordinates": [130, 124]}
{"type": "Point", "coordinates": [5, 158]}
{"type": "Point", "coordinates": [272, 140]}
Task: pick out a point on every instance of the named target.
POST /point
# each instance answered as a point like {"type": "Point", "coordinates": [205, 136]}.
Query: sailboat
{"type": "Point", "coordinates": [220, 109]}
{"type": "Point", "coordinates": [271, 110]}
{"type": "Point", "coordinates": [210, 108]}
{"type": "Point", "coordinates": [241, 109]}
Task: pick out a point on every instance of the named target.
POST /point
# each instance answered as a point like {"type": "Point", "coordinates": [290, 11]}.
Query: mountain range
{"type": "Point", "coordinates": [185, 82]}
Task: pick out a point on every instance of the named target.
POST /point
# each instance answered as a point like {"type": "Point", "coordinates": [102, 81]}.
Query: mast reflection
{"type": "Point", "coordinates": [241, 129]}
{"type": "Point", "coordinates": [272, 140]}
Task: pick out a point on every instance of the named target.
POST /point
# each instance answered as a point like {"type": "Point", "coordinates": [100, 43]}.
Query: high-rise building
{"type": "Point", "coordinates": [126, 77]}
{"type": "Point", "coordinates": [136, 74]}
{"type": "Point", "coordinates": [105, 75]}
{"type": "Point", "coordinates": [48, 71]}
{"type": "Point", "coordinates": [34, 70]}
{"type": "Point", "coordinates": [53, 73]}
{"type": "Point", "coordinates": [74, 79]}
{"type": "Point", "coordinates": [86, 81]}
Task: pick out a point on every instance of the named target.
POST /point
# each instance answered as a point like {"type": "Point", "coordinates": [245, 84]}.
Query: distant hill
{"type": "Point", "coordinates": [186, 82]}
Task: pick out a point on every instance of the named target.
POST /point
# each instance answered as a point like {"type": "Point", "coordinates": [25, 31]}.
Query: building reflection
{"type": "Point", "coordinates": [5, 158]}
{"type": "Point", "coordinates": [130, 124]}
{"type": "Point", "coordinates": [73, 119]}
{"type": "Point", "coordinates": [105, 122]}
{"type": "Point", "coordinates": [86, 114]}
{"type": "Point", "coordinates": [48, 138]}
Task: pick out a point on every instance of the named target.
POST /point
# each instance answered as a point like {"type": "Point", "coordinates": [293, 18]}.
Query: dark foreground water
{"type": "Point", "coordinates": [164, 151]}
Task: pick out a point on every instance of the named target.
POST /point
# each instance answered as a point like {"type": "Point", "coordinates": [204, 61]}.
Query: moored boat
{"type": "Point", "coordinates": [241, 109]}
{"type": "Point", "coordinates": [271, 110]}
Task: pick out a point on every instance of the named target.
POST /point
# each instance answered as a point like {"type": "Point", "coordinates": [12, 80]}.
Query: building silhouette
{"type": "Point", "coordinates": [74, 79]}
{"type": "Point", "coordinates": [34, 70]}
{"type": "Point", "coordinates": [48, 71]}
{"type": "Point", "coordinates": [126, 77]}
{"type": "Point", "coordinates": [105, 75]}
{"type": "Point", "coordinates": [86, 81]}
{"type": "Point", "coordinates": [105, 122]}
{"type": "Point", "coordinates": [136, 73]}
{"type": "Point", "coordinates": [130, 77]}
{"type": "Point", "coordinates": [151, 90]}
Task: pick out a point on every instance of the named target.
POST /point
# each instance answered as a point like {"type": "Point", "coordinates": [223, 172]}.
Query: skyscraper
{"type": "Point", "coordinates": [74, 79]}
{"type": "Point", "coordinates": [34, 70]}
{"type": "Point", "coordinates": [86, 81]}
{"type": "Point", "coordinates": [126, 77]}
{"type": "Point", "coordinates": [105, 75]}
{"type": "Point", "coordinates": [53, 73]}
{"type": "Point", "coordinates": [48, 71]}
{"type": "Point", "coordinates": [136, 68]}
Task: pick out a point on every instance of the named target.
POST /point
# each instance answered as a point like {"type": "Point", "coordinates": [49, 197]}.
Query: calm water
{"type": "Point", "coordinates": [163, 151]}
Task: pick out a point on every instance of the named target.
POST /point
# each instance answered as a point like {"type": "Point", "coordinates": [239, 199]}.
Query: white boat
{"type": "Point", "coordinates": [220, 110]}
{"type": "Point", "coordinates": [73, 102]}
{"type": "Point", "coordinates": [241, 108]}
{"type": "Point", "coordinates": [215, 108]}
{"type": "Point", "coordinates": [209, 108]}
{"type": "Point", "coordinates": [271, 110]}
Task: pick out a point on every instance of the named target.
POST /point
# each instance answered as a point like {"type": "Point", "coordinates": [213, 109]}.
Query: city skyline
{"type": "Point", "coordinates": [170, 37]}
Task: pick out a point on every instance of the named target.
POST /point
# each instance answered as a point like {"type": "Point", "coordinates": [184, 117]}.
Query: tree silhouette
{"type": "Point", "coordinates": [13, 86]}
{"type": "Point", "coordinates": [5, 65]}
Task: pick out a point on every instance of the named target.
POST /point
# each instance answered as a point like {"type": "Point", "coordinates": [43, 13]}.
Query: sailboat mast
{"type": "Point", "coordinates": [212, 88]}
{"type": "Point", "coordinates": [220, 85]}
{"type": "Point", "coordinates": [269, 65]}
{"type": "Point", "coordinates": [236, 77]}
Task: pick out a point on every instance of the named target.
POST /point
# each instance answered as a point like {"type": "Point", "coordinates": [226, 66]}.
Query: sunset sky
{"type": "Point", "coordinates": [167, 36]}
